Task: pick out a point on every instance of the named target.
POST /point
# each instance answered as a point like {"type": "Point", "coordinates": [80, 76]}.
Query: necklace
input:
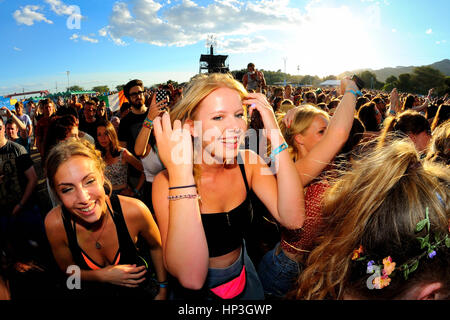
{"type": "Point", "coordinates": [98, 244]}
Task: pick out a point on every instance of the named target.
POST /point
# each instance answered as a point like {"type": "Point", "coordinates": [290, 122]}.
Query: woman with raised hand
{"type": "Point", "coordinates": [202, 200]}
{"type": "Point", "coordinates": [387, 236]}
{"type": "Point", "coordinates": [96, 233]}
{"type": "Point", "coordinates": [314, 141]}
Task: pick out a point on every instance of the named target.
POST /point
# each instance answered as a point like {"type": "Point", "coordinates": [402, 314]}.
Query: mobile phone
{"type": "Point", "coordinates": [359, 83]}
{"type": "Point", "coordinates": [161, 95]}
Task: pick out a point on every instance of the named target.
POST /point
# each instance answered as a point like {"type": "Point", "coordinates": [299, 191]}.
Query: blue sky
{"type": "Point", "coordinates": [157, 40]}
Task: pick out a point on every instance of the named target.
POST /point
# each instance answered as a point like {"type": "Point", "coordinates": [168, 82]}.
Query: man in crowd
{"type": "Point", "coordinates": [89, 122]}
{"type": "Point", "coordinates": [19, 215]}
{"type": "Point", "coordinates": [48, 110]}
{"type": "Point", "coordinates": [253, 79]}
{"type": "Point", "coordinates": [131, 124]}
{"type": "Point", "coordinates": [12, 132]}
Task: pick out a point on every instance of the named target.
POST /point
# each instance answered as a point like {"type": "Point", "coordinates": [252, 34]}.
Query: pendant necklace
{"type": "Point", "coordinates": [98, 244]}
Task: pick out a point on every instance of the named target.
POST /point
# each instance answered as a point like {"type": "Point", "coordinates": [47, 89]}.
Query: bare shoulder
{"type": "Point", "coordinates": [54, 218]}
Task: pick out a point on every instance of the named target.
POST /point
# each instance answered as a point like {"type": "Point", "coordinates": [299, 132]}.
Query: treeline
{"type": "Point", "coordinates": [419, 81]}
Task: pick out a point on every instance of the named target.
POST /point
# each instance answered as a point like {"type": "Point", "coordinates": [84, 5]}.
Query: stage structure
{"type": "Point", "coordinates": [211, 63]}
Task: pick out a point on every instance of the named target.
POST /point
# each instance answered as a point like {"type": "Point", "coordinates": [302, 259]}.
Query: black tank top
{"type": "Point", "coordinates": [127, 250]}
{"type": "Point", "coordinates": [224, 231]}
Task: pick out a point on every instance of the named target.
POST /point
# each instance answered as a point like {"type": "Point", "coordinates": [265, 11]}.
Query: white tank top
{"type": "Point", "coordinates": [152, 165]}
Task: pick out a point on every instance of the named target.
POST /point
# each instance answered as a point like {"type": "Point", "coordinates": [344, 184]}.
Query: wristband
{"type": "Point", "coordinates": [136, 192]}
{"type": "Point", "coordinates": [355, 93]}
{"type": "Point", "coordinates": [163, 284]}
{"type": "Point", "coordinates": [182, 187]}
{"type": "Point", "coordinates": [282, 147]}
{"type": "Point", "coordinates": [148, 123]}
{"type": "Point", "coordinates": [392, 112]}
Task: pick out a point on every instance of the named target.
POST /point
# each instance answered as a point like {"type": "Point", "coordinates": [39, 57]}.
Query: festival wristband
{"type": "Point", "coordinates": [163, 284]}
{"type": "Point", "coordinates": [392, 112]}
{"type": "Point", "coordinates": [148, 123]}
{"type": "Point", "coordinates": [355, 93]}
{"type": "Point", "coordinates": [282, 147]}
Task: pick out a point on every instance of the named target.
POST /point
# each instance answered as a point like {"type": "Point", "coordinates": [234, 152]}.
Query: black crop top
{"type": "Point", "coordinates": [224, 231]}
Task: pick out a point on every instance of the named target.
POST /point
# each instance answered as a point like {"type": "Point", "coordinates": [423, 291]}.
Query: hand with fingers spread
{"type": "Point", "coordinates": [175, 147]}
{"type": "Point", "coordinates": [289, 117]}
{"type": "Point", "coordinates": [124, 275]}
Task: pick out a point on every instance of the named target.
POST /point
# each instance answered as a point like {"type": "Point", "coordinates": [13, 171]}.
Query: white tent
{"type": "Point", "coordinates": [330, 83]}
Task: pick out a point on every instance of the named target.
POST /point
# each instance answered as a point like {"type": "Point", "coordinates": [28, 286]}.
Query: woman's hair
{"type": "Point", "coordinates": [114, 145]}
{"type": "Point", "coordinates": [59, 128]}
{"type": "Point", "coordinates": [303, 118]}
{"type": "Point", "coordinates": [407, 122]}
{"type": "Point", "coordinates": [441, 116]}
{"type": "Point", "coordinates": [378, 205]}
{"type": "Point", "coordinates": [409, 102]}
{"type": "Point", "coordinates": [439, 150]}
{"type": "Point", "coordinates": [66, 149]}
{"type": "Point", "coordinates": [368, 116]}
{"type": "Point", "coordinates": [198, 89]}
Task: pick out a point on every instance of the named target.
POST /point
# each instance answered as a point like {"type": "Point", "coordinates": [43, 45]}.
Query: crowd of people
{"type": "Point", "coordinates": [228, 188]}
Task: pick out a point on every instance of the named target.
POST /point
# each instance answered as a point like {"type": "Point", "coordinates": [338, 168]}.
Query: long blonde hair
{"type": "Point", "coordinates": [377, 205]}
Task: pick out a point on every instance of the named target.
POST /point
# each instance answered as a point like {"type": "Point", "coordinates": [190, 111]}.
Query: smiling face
{"type": "Point", "coordinates": [222, 116]}
{"type": "Point", "coordinates": [79, 185]}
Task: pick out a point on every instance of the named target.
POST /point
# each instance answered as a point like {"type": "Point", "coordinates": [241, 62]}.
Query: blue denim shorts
{"type": "Point", "coordinates": [278, 273]}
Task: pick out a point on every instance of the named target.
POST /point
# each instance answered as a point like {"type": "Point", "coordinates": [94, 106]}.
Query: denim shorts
{"type": "Point", "coordinates": [278, 273]}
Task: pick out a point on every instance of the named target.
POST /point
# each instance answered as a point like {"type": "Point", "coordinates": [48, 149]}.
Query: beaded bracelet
{"type": "Point", "coordinates": [183, 196]}
{"type": "Point", "coordinates": [278, 150]}
{"type": "Point", "coordinates": [148, 123]}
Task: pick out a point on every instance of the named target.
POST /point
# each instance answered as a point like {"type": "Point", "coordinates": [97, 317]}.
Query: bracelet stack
{"type": "Point", "coordinates": [148, 123]}
{"type": "Point", "coordinates": [355, 93]}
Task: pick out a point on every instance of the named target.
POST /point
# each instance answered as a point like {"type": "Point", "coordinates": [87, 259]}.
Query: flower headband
{"type": "Point", "coordinates": [381, 272]}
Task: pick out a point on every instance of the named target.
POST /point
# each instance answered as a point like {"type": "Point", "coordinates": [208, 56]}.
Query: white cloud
{"type": "Point", "coordinates": [246, 44]}
{"type": "Point", "coordinates": [29, 14]}
{"type": "Point", "coordinates": [441, 42]}
{"type": "Point", "coordinates": [188, 22]}
{"type": "Point", "coordinates": [394, 30]}
{"type": "Point", "coordinates": [429, 31]}
{"type": "Point", "coordinates": [60, 8]}
{"type": "Point", "coordinates": [75, 37]}
{"type": "Point", "coordinates": [17, 49]}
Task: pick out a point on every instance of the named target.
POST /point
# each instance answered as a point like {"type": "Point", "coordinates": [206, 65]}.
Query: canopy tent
{"type": "Point", "coordinates": [330, 83]}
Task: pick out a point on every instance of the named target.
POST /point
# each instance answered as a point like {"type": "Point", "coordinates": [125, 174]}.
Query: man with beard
{"type": "Point", "coordinates": [131, 124]}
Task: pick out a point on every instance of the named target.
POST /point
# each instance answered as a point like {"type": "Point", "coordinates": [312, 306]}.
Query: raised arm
{"type": "Point", "coordinates": [185, 249]}
{"type": "Point", "coordinates": [17, 121]}
{"type": "Point", "coordinates": [335, 136]}
{"type": "Point", "coordinates": [283, 195]}
{"type": "Point", "coordinates": [142, 147]}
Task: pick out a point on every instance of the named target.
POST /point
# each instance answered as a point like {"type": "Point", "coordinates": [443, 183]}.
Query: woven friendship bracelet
{"type": "Point", "coordinates": [183, 196]}
{"type": "Point", "coordinates": [148, 123]}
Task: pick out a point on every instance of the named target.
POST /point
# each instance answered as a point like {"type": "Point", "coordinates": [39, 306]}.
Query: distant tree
{"type": "Point", "coordinates": [101, 89]}
{"type": "Point", "coordinates": [120, 87]}
{"type": "Point", "coordinates": [424, 78]}
{"type": "Point", "coordinates": [76, 88]}
{"type": "Point", "coordinates": [370, 80]}
{"type": "Point", "coordinates": [330, 77]}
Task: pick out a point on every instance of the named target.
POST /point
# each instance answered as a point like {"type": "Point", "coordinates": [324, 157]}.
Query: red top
{"type": "Point", "coordinates": [302, 240]}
